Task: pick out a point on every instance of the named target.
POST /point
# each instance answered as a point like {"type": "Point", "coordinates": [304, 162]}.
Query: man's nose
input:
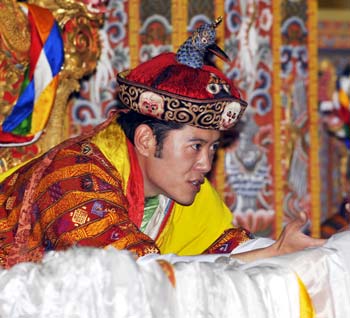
{"type": "Point", "coordinates": [204, 163]}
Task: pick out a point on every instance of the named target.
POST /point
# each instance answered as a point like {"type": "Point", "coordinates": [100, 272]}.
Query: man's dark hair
{"type": "Point", "coordinates": [131, 120]}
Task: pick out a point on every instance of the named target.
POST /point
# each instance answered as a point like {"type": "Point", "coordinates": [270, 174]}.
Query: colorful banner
{"type": "Point", "coordinates": [31, 111]}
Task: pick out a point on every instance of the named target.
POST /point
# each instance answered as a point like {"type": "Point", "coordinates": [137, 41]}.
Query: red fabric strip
{"type": "Point", "coordinates": [166, 218]}
{"type": "Point", "coordinates": [35, 47]}
{"type": "Point", "coordinates": [43, 19]}
{"type": "Point", "coordinates": [134, 190]}
{"type": "Point", "coordinates": [7, 137]}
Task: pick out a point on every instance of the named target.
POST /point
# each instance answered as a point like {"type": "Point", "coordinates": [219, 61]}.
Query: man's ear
{"type": "Point", "coordinates": [144, 140]}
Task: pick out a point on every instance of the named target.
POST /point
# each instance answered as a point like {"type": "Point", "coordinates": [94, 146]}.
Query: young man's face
{"type": "Point", "coordinates": [186, 158]}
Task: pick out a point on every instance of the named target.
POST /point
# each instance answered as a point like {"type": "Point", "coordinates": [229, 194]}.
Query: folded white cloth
{"type": "Point", "coordinates": [85, 282]}
{"type": "Point", "coordinates": [88, 282]}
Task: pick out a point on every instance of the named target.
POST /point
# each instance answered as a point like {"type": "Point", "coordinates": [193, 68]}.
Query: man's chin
{"type": "Point", "coordinates": [184, 198]}
{"type": "Point", "coordinates": [185, 202]}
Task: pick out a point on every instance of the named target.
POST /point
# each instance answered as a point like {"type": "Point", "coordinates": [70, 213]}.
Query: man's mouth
{"type": "Point", "coordinates": [197, 184]}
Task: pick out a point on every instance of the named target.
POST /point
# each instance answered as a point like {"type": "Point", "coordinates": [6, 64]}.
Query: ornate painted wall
{"type": "Point", "coordinates": [334, 64]}
{"type": "Point", "coordinates": [270, 172]}
{"type": "Point", "coordinates": [279, 160]}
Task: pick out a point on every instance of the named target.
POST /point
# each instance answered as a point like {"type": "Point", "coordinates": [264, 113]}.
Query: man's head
{"type": "Point", "coordinates": [131, 120]}
{"type": "Point", "coordinates": [177, 106]}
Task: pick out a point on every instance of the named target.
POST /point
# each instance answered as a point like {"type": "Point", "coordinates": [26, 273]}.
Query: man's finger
{"type": "Point", "coordinates": [347, 207]}
{"type": "Point", "coordinates": [303, 217]}
{"type": "Point", "coordinates": [318, 242]}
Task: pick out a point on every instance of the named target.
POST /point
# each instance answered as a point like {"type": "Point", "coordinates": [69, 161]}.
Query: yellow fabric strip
{"type": "Point", "coordinates": [343, 98]}
{"type": "Point", "coordinates": [134, 28]}
{"type": "Point", "coordinates": [314, 162]}
{"type": "Point", "coordinates": [12, 170]}
{"type": "Point", "coordinates": [220, 176]}
{"type": "Point", "coordinates": [112, 143]}
{"type": "Point", "coordinates": [306, 307]}
{"type": "Point", "coordinates": [43, 106]}
{"type": "Point", "coordinates": [277, 116]}
{"type": "Point", "coordinates": [220, 31]}
{"type": "Point", "coordinates": [8, 172]}
{"type": "Point", "coordinates": [179, 17]}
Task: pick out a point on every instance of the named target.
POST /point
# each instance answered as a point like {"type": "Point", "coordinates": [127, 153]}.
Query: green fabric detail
{"type": "Point", "coordinates": [24, 127]}
{"type": "Point", "coordinates": [151, 205]}
{"type": "Point", "coordinates": [347, 130]}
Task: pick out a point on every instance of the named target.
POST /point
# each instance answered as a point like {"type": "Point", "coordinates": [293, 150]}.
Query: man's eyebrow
{"type": "Point", "coordinates": [203, 140]}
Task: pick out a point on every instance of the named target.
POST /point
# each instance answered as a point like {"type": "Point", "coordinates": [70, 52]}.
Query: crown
{"type": "Point", "coordinates": [182, 88]}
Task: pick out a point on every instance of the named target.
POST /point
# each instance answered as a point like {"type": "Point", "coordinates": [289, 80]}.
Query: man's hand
{"type": "Point", "coordinates": [292, 239]}
{"type": "Point", "coordinates": [347, 215]}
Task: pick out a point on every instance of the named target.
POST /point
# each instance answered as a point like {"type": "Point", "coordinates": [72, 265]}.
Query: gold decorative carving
{"type": "Point", "coordinates": [14, 50]}
{"type": "Point", "coordinates": [14, 29]}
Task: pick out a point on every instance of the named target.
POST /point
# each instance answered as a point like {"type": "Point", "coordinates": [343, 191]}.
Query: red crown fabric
{"type": "Point", "coordinates": [182, 79]}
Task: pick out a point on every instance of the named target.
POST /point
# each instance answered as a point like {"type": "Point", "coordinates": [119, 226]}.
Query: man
{"type": "Point", "coordinates": [139, 184]}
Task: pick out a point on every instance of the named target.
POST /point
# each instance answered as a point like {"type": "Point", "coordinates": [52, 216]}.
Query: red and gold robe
{"type": "Point", "coordinates": [88, 191]}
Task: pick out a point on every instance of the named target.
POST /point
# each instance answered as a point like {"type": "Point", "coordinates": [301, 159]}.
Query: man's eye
{"type": "Point", "coordinates": [215, 147]}
{"type": "Point", "coordinates": [197, 147]}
